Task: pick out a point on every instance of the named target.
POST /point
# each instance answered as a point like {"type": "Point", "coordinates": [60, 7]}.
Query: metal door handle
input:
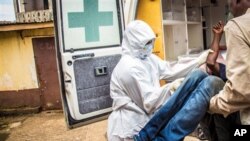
{"type": "Point", "coordinates": [99, 71]}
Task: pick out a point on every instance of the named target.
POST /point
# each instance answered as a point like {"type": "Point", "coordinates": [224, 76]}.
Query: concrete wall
{"type": "Point", "coordinates": [17, 64]}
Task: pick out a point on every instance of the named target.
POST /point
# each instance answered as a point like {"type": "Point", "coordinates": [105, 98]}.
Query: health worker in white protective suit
{"type": "Point", "coordinates": [137, 94]}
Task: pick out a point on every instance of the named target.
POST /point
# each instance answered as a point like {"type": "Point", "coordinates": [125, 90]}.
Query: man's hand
{"type": "Point", "coordinates": [218, 28]}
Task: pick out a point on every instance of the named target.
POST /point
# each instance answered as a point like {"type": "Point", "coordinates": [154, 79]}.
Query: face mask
{"type": "Point", "coordinates": [146, 51]}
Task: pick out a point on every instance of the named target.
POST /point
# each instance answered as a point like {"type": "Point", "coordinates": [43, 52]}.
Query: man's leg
{"type": "Point", "coordinates": [189, 116]}
{"type": "Point", "coordinates": [219, 126]}
{"type": "Point", "coordinates": [173, 105]}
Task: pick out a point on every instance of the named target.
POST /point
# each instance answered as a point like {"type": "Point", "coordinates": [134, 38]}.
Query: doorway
{"type": "Point", "coordinates": [45, 58]}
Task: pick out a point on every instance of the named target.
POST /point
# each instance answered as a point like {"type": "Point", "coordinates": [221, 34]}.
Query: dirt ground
{"type": "Point", "coordinates": [51, 126]}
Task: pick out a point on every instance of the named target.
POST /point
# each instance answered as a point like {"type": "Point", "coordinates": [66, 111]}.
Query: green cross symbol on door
{"type": "Point", "coordinates": [91, 19]}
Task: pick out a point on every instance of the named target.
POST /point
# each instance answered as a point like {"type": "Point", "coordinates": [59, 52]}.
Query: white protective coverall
{"type": "Point", "coordinates": [135, 87]}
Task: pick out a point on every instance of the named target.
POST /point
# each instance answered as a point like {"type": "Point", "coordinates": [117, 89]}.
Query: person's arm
{"type": "Point", "coordinates": [215, 46]}
{"type": "Point", "coordinates": [170, 71]}
{"type": "Point", "coordinates": [235, 95]}
{"type": "Point", "coordinates": [138, 85]}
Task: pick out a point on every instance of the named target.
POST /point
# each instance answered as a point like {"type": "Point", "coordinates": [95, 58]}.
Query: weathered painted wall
{"type": "Point", "coordinates": [17, 64]}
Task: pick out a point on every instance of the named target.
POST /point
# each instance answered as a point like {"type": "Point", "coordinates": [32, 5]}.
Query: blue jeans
{"type": "Point", "coordinates": [183, 111]}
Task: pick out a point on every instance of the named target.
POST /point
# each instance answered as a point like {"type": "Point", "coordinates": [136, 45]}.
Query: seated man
{"type": "Point", "coordinates": [140, 104]}
{"type": "Point", "coordinates": [232, 105]}
{"type": "Point", "coordinates": [215, 63]}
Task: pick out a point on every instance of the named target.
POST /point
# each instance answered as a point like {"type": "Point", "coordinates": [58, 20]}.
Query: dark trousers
{"type": "Point", "coordinates": [220, 128]}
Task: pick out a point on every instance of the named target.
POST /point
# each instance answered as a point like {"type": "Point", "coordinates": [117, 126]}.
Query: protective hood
{"type": "Point", "coordinates": [135, 38]}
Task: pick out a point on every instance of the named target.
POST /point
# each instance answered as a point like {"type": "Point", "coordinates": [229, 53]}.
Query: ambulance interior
{"type": "Point", "coordinates": [187, 24]}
